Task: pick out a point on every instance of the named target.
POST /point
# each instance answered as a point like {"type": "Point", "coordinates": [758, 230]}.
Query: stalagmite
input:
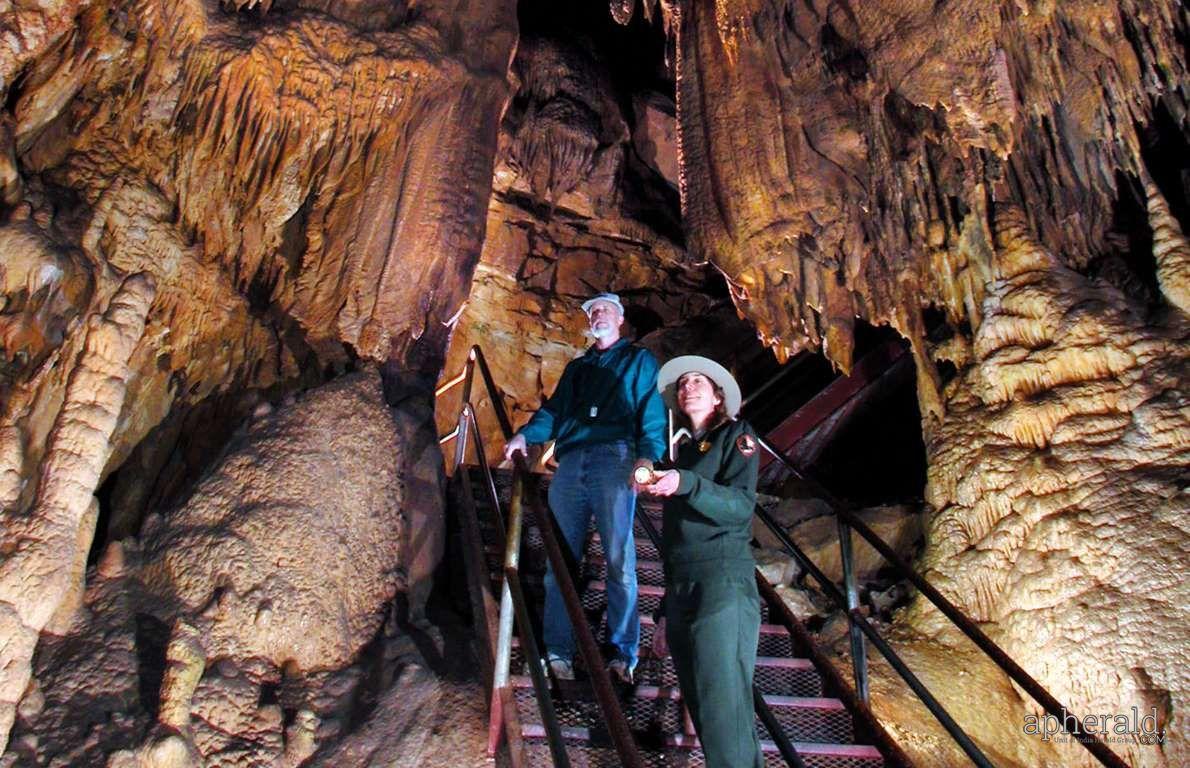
{"type": "Point", "coordinates": [1171, 251]}
{"type": "Point", "coordinates": [40, 546]}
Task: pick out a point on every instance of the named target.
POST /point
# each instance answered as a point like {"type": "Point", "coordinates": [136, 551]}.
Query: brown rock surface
{"type": "Point", "coordinates": [290, 548]}
{"type": "Point", "coordinates": [898, 526]}
{"type": "Point", "coordinates": [277, 572]}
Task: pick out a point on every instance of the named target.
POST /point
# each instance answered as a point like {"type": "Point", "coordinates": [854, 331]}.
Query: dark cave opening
{"type": "Point", "coordinates": [1127, 260]}
{"type": "Point", "coordinates": [1165, 149]}
{"type": "Point", "coordinates": [636, 61]}
{"type": "Point", "coordinates": [635, 54]}
{"type": "Point", "coordinates": [877, 455]}
{"type": "Point", "coordinates": [867, 451]}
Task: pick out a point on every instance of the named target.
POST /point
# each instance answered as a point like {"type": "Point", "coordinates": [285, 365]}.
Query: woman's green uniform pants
{"type": "Point", "coordinates": [712, 627]}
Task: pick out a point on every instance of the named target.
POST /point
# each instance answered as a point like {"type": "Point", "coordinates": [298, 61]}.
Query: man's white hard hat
{"type": "Point", "coordinates": [610, 298]}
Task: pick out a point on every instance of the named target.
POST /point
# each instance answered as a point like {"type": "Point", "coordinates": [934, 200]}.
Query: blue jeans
{"type": "Point", "coordinates": [594, 481]}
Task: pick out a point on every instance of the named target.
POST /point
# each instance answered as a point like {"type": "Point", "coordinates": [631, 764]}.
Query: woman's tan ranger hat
{"type": "Point", "coordinates": [667, 380]}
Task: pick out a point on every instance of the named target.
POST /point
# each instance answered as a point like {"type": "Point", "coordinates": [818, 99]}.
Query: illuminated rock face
{"type": "Point", "coordinates": [289, 548]}
{"type": "Point", "coordinates": [299, 191]}
{"type": "Point", "coordinates": [205, 203]}
{"type": "Point", "coordinates": [1057, 483]}
{"type": "Point", "coordinates": [838, 159]}
{"type": "Point", "coordinates": [997, 161]}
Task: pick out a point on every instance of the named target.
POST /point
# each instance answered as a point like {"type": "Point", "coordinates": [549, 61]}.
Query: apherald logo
{"type": "Point", "coordinates": [1114, 728]}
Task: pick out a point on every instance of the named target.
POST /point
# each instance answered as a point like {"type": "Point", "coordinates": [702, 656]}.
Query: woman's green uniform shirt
{"type": "Point", "coordinates": [707, 525]}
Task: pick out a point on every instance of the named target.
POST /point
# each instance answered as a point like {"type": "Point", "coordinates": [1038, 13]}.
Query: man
{"type": "Point", "coordinates": [606, 418]}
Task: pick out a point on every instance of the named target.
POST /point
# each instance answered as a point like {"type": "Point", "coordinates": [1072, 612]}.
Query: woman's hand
{"type": "Point", "coordinates": [666, 483]}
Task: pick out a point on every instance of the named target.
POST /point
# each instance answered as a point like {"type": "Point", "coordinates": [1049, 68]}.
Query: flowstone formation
{"type": "Point", "coordinates": [207, 206]}
{"type": "Point", "coordinates": [234, 621]}
{"type": "Point", "coordinates": [1018, 168]}
{"type": "Point", "coordinates": [1058, 483]}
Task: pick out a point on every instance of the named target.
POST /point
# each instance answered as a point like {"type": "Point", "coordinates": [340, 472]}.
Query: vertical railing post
{"type": "Point", "coordinates": [504, 632]}
{"type": "Point", "coordinates": [483, 605]}
{"type": "Point", "coordinates": [859, 652]}
{"type": "Point", "coordinates": [516, 600]}
{"type": "Point", "coordinates": [461, 432]}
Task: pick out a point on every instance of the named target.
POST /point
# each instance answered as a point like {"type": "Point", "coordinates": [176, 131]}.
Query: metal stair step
{"type": "Point", "coordinates": [658, 708]}
{"type": "Point", "coordinates": [813, 753]}
{"type": "Point", "coordinates": [673, 693]}
{"type": "Point", "coordinates": [648, 597]}
{"type": "Point", "coordinates": [657, 717]}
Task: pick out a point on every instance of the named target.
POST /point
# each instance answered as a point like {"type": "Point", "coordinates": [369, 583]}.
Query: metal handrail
{"type": "Point", "coordinates": [784, 745]}
{"type": "Point", "coordinates": [605, 695]}
{"type": "Point", "coordinates": [513, 600]}
{"type": "Point", "coordinates": [858, 623]}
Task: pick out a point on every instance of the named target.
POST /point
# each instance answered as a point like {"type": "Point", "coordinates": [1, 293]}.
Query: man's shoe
{"type": "Point", "coordinates": [620, 671]}
{"type": "Point", "coordinates": [560, 668]}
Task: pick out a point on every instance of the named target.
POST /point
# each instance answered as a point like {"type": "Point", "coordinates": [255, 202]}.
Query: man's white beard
{"type": "Point", "coordinates": [601, 331]}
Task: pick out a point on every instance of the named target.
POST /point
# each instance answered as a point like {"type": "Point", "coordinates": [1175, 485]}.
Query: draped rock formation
{"type": "Point", "coordinates": [838, 158]}
{"type": "Point", "coordinates": [844, 160]}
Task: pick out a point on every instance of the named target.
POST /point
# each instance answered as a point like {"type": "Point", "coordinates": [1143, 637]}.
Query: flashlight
{"type": "Point", "coordinates": [644, 476]}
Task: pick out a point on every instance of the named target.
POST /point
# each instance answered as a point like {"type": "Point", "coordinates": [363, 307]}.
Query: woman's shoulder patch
{"type": "Point", "coordinates": [746, 445]}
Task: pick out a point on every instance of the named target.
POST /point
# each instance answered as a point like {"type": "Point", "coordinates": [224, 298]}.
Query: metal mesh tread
{"type": "Point", "coordinates": [584, 754]}
{"type": "Point", "coordinates": [656, 713]}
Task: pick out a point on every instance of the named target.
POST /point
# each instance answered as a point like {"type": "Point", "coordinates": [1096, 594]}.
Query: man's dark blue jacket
{"type": "Point", "coordinates": [605, 396]}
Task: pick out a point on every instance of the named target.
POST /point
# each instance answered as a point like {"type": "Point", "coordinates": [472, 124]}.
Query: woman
{"type": "Point", "coordinates": [712, 608]}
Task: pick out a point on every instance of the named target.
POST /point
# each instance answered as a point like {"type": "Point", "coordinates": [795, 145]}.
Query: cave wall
{"type": "Point", "coordinates": [1021, 167]}
{"type": "Point", "coordinates": [287, 190]}
{"type": "Point", "coordinates": [584, 200]}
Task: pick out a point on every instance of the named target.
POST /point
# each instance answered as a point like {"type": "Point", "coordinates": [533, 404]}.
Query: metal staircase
{"type": "Point", "coordinates": [807, 713]}
{"type": "Point", "coordinates": [817, 723]}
